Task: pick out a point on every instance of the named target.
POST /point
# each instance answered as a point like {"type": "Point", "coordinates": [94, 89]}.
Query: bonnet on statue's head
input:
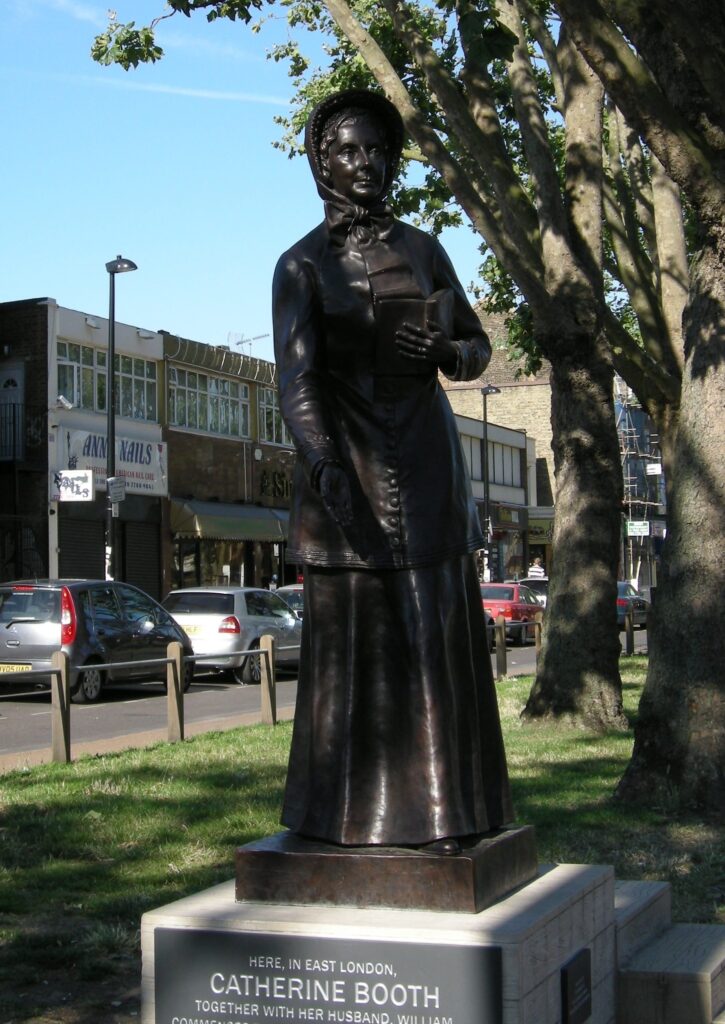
{"type": "Point", "coordinates": [358, 102]}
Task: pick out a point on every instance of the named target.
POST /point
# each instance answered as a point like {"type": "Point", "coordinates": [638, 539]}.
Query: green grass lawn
{"type": "Point", "coordinates": [86, 848]}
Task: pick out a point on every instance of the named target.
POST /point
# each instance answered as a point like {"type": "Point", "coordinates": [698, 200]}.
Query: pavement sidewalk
{"type": "Point", "coordinates": [42, 755]}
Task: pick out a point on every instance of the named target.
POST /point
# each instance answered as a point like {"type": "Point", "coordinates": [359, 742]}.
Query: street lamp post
{"type": "Point", "coordinates": [486, 390]}
{"type": "Point", "coordinates": [117, 266]}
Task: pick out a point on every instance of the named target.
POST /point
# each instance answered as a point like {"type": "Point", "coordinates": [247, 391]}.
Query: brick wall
{"type": "Point", "coordinates": [214, 469]}
{"type": "Point", "coordinates": [207, 468]}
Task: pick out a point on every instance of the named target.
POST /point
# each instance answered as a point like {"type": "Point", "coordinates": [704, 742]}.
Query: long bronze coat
{"type": "Point", "coordinates": [396, 737]}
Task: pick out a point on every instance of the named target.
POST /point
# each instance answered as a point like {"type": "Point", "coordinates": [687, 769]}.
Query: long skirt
{"type": "Point", "coordinates": [397, 739]}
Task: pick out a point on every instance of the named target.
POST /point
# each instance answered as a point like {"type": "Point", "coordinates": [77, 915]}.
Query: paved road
{"type": "Point", "coordinates": [129, 716]}
{"type": "Point", "coordinates": [136, 715]}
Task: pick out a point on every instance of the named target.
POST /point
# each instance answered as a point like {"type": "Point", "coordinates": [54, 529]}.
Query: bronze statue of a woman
{"type": "Point", "coordinates": [396, 739]}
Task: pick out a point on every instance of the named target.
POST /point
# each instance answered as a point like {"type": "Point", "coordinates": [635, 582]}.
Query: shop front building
{"type": "Point", "coordinates": [200, 446]}
{"type": "Point", "coordinates": [503, 500]}
{"type": "Point", "coordinates": [521, 403]}
{"type": "Point", "coordinates": [230, 469]}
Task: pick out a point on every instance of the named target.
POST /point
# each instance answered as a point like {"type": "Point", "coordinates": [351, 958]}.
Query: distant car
{"type": "Point", "coordinates": [224, 621]}
{"type": "Point", "coordinates": [628, 597]}
{"type": "Point", "coordinates": [94, 622]}
{"type": "Point", "coordinates": [540, 587]}
{"type": "Point", "coordinates": [490, 630]}
{"type": "Point", "coordinates": [518, 605]}
{"type": "Point", "coordinates": [294, 595]}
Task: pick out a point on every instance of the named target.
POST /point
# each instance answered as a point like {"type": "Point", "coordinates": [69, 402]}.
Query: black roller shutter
{"type": "Point", "coordinates": [143, 557]}
{"type": "Point", "coordinates": [82, 549]}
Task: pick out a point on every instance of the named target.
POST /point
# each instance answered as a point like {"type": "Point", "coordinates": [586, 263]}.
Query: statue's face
{"type": "Point", "coordinates": [356, 161]}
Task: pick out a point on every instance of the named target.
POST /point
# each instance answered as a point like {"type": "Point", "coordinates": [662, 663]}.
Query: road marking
{"type": "Point", "coordinates": [35, 714]}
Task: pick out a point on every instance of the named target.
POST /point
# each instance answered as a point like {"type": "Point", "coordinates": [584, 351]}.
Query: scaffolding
{"type": "Point", "coordinates": [643, 487]}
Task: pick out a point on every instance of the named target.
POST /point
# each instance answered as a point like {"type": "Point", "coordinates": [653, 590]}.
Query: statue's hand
{"type": "Point", "coordinates": [429, 344]}
{"type": "Point", "coordinates": [335, 492]}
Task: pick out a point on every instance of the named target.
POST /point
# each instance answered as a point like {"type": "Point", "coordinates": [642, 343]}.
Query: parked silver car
{"type": "Point", "coordinates": [224, 621]}
{"type": "Point", "coordinates": [95, 622]}
{"type": "Point", "coordinates": [294, 595]}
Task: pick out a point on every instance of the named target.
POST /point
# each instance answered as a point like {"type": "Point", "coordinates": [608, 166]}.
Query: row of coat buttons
{"type": "Point", "coordinates": [391, 464]}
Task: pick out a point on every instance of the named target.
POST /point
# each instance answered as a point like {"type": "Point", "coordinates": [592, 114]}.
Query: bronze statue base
{"type": "Point", "coordinates": [285, 868]}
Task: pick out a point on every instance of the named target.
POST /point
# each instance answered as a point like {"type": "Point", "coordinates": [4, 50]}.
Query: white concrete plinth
{"type": "Point", "coordinates": [538, 929]}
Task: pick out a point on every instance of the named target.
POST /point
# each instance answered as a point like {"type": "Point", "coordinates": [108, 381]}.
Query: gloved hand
{"type": "Point", "coordinates": [335, 492]}
{"type": "Point", "coordinates": [430, 344]}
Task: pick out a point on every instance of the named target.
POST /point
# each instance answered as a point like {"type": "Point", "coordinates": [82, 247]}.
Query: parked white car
{"type": "Point", "coordinates": [221, 622]}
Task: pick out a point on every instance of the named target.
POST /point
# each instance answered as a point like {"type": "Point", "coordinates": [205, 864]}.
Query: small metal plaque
{"type": "Point", "coordinates": [220, 977]}
{"type": "Point", "coordinates": [576, 988]}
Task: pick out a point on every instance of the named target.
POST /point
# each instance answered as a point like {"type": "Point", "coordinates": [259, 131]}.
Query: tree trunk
{"type": "Point", "coordinates": [578, 669]}
{"type": "Point", "coordinates": [679, 751]}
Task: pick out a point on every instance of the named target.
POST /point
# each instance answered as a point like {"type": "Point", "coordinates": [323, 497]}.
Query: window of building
{"type": "Point", "coordinates": [472, 451]}
{"type": "Point", "coordinates": [271, 427]}
{"type": "Point", "coordinates": [135, 388]}
{"type": "Point", "coordinates": [504, 464]}
{"type": "Point", "coordinates": [201, 401]}
{"type": "Point", "coordinates": [82, 379]}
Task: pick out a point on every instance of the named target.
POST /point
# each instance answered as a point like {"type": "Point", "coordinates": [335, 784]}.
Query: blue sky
{"type": "Point", "coordinates": [170, 165]}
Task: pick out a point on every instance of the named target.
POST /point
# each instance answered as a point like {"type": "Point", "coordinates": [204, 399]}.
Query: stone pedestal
{"type": "Point", "coordinates": [211, 958]}
{"type": "Point", "coordinates": [286, 868]}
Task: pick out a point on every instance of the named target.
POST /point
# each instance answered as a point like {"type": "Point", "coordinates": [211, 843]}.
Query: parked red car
{"type": "Point", "coordinates": [516, 603]}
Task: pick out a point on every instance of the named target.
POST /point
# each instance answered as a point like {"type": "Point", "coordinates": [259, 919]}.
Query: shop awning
{"type": "Point", "coordinates": [217, 521]}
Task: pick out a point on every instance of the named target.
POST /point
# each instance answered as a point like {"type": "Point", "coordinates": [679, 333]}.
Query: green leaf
{"type": "Point", "coordinates": [126, 45]}
{"type": "Point", "coordinates": [486, 40]}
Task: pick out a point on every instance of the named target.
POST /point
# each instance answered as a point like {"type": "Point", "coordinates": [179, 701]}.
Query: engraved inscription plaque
{"type": "Point", "coordinates": [221, 977]}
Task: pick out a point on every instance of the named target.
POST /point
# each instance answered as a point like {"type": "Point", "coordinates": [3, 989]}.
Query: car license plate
{"type": "Point", "coordinates": [192, 630]}
{"type": "Point", "coordinates": [14, 668]}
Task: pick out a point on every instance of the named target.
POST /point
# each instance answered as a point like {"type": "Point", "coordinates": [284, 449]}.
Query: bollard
{"type": "Point", "coordinates": [174, 691]}
{"type": "Point", "coordinates": [501, 666]}
{"type": "Point", "coordinates": [268, 681]}
{"type": "Point", "coordinates": [538, 624]}
{"type": "Point", "coordinates": [629, 631]}
{"type": "Point", "coordinates": [60, 700]}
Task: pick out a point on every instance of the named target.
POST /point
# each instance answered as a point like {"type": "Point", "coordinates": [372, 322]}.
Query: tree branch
{"type": "Point", "coordinates": [542, 35]}
{"type": "Point", "coordinates": [535, 138]}
{"type": "Point", "coordinates": [582, 110]}
{"type": "Point", "coordinates": [674, 275]}
{"type": "Point", "coordinates": [485, 148]}
{"type": "Point", "coordinates": [645, 106]}
{"type": "Point", "coordinates": [653, 386]}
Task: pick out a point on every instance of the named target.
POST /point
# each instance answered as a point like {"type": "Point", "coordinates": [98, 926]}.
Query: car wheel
{"type": "Point", "coordinates": [90, 684]}
{"type": "Point", "coordinates": [188, 671]}
{"type": "Point", "coordinates": [491, 634]}
{"type": "Point", "coordinates": [252, 668]}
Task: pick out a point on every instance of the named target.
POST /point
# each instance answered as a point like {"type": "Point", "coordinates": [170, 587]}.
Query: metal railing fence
{"type": "Point", "coordinates": [174, 662]}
